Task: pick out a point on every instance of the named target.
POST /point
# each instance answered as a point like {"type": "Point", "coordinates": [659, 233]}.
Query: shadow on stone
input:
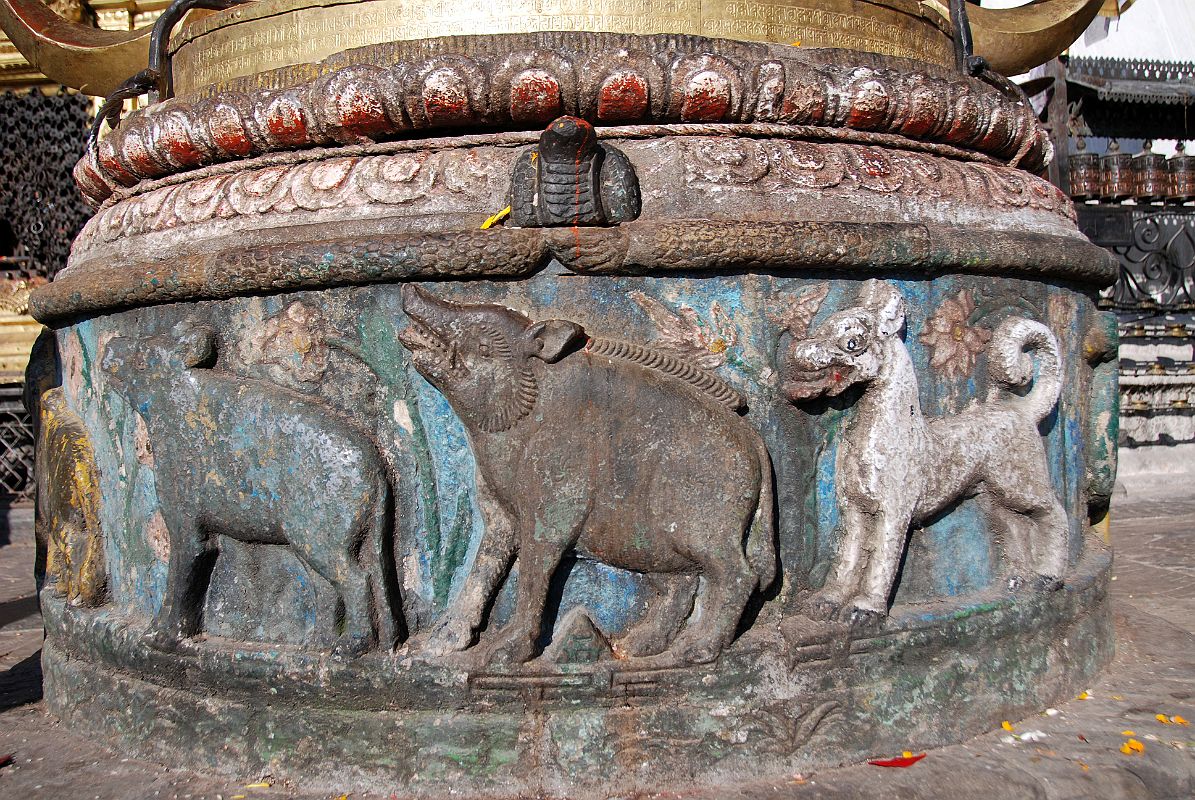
{"type": "Point", "coordinates": [16, 610]}
{"type": "Point", "coordinates": [21, 684]}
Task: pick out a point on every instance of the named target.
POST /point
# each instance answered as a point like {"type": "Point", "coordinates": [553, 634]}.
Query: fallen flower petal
{"type": "Point", "coordinates": [1176, 719]}
{"type": "Point", "coordinates": [1085, 695]}
{"type": "Point", "coordinates": [1082, 738]}
{"type": "Point", "coordinates": [6, 759]}
{"type": "Point", "coordinates": [258, 785]}
{"type": "Point", "coordinates": [1162, 718]}
{"type": "Point", "coordinates": [1006, 725]}
{"type": "Point", "coordinates": [1034, 736]}
{"type": "Point", "coordinates": [1128, 733]}
{"type": "Point", "coordinates": [907, 760]}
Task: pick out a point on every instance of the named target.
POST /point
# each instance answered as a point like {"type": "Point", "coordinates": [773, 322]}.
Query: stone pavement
{"type": "Point", "coordinates": [1071, 754]}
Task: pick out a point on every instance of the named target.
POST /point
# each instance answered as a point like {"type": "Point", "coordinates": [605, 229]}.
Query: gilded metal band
{"type": "Point", "coordinates": [275, 34]}
{"type": "Point", "coordinates": [640, 247]}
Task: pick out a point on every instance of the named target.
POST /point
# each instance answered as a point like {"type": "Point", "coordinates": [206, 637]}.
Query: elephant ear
{"type": "Point", "coordinates": [196, 344]}
{"type": "Point", "coordinates": [551, 339]}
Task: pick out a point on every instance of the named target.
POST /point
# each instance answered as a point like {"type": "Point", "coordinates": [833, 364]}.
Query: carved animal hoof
{"type": "Point", "coordinates": [511, 650]}
{"type": "Point", "coordinates": [640, 643]}
{"type": "Point", "coordinates": [698, 653]}
{"type": "Point", "coordinates": [1047, 583]}
{"type": "Point", "coordinates": [162, 639]}
{"type": "Point", "coordinates": [448, 637]}
{"type": "Point", "coordinates": [353, 646]}
{"type": "Point", "coordinates": [863, 617]}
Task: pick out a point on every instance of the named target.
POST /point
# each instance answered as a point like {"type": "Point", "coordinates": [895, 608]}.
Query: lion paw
{"type": "Point", "coordinates": [862, 617]}
{"type": "Point", "coordinates": [824, 607]}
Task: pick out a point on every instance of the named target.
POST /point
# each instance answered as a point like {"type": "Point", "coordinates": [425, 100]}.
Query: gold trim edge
{"type": "Point", "coordinates": [274, 34]}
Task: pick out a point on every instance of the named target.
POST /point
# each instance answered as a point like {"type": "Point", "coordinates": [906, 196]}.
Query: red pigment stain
{"type": "Point", "coordinates": [361, 112]}
{"type": "Point", "coordinates": [875, 167]}
{"type": "Point", "coordinates": [623, 96]}
{"type": "Point", "coordinates": [177, 144]}
{"type": "Point", "coordinates": [445, 100]}
{"type": "Point", "coordinates": [922, 117]}
{"type": "Point", "coordinates": [534, 97]}
{"type": "Point", "coordinates": [228, 132]}
{"type": "Point", "coordinates": [286, 123]}
{"type": "Point", "coordinates": [870, 106]}
{"type": "Point", "coordinates": [139, 157]}
{"type": "Point", "coordinates": [707, 98]}
{"type": "Point", "coordinates": [110, 164]}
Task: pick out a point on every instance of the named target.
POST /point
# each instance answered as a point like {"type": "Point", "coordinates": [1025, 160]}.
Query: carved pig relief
{"type": "Point", "coordinates": [605, 449]}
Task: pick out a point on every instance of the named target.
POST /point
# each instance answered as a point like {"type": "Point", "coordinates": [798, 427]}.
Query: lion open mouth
{"type": "Point", "coordinates": [830, 381]}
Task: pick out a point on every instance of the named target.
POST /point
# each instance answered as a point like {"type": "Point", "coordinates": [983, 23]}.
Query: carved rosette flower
{"type": "Point", "coordinates": [953, 343]}
{"type": "Point", "coordinates": [291, 345]}
{"type": "Point", "coordinates": [705, 344]}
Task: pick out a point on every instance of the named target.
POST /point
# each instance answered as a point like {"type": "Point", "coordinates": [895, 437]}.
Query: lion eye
{"type": "Point", "coordinates": [852, 345]}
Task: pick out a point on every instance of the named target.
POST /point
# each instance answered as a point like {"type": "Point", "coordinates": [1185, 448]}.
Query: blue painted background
{"type": "Point", "coordinates": [438, 525]}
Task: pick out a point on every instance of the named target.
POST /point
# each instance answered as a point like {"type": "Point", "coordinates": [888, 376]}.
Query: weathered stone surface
{"type": "Point", "coordinates": [527, 506]}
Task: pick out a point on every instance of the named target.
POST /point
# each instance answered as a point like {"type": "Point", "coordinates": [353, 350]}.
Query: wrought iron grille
{"type": "Point", "coordinates": [16, 447]}
{"type": "Point", "coordinates": [1154, 300]}
{"type": "Point", "coordinates": [1156, 249]}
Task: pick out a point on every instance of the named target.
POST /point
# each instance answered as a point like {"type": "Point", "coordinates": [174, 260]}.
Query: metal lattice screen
{"type": "Point", "coordinates": [16, 446]}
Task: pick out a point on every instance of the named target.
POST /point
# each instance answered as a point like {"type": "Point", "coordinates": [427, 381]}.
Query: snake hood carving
{"type": "Point", "coordinates": [603, 449]}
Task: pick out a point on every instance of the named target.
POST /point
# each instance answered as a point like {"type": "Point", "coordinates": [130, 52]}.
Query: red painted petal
{"type": "Point", "coordinates": [903, 761]}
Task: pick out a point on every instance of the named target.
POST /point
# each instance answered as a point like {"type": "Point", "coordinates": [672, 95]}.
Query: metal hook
{"type": "Point", "coordinates": [964, 44]}
{"type": "Point", "coordinates": [157, 79]}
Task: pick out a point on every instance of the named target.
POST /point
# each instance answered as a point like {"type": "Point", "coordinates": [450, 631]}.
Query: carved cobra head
{"type": "Point", "coordinates": [848, 347]}
{"type": "Point", "coordinates": [480, 356]}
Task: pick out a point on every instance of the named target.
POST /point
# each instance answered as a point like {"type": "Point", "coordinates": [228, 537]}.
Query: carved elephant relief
{"type": "Point", "coordinates": [258, 464]}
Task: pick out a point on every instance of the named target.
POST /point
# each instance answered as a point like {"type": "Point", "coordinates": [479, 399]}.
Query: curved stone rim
{"type": "Point", "coordinates": [121, 643]}
{"type": "Point", "coordinates": [338, 178]}
{"type": "Point", "coordinates": [642, 247]}
{"type": "Point", "coordinates": [523, 81]}
{"type": "Point", "coordinates": [833, 660]}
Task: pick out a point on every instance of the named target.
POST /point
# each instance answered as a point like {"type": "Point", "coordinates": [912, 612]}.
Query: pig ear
{"type": "Point", "coordinates": [550, 340]}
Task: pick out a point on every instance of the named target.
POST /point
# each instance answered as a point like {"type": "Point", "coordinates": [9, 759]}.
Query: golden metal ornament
{"type": "Point", "coordinates": [273, 34]}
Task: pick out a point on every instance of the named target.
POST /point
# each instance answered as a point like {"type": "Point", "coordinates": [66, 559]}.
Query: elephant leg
{"type": "Point", "coordinates": [664, 616]}
{"type": "Point", "coordinates": [337, 563]}
{"type": "Point", "coordinates": [729, 582]}
{"type": "Point", "coordinates": [188, 570]}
